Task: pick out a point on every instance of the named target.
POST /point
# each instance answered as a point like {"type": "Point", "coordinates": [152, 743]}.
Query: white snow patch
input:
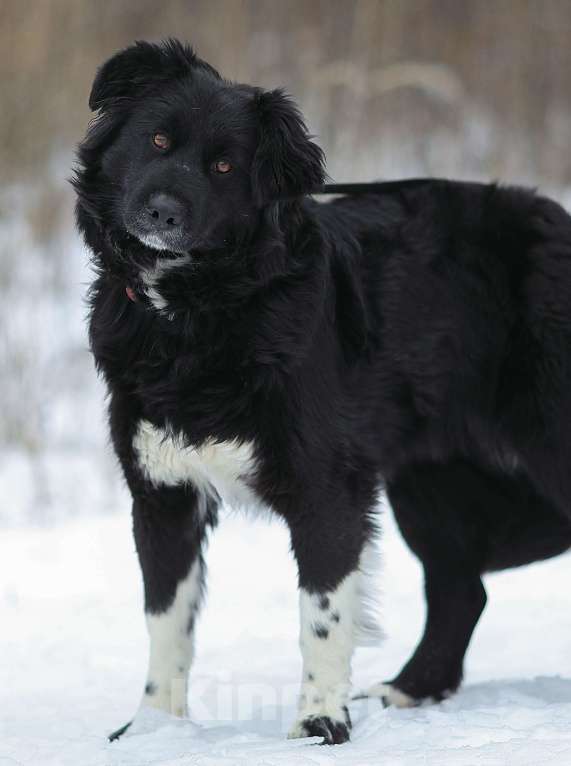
{"type": "Point", "coordinates": [74, 645]}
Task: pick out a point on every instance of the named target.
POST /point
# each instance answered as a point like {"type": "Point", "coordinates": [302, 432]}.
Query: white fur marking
{"type": "Point", "coordinates": [214, 468]}
{"type": "Point", "coordinates": [367, 630]}
{"type": "Point", "coordinates": [326, 659]}
{"type": "Point", "coordinates": [391, 695]}
{"type": "Point", "coordinates": [172, 647]}
{"type": "Point", "coordinates": [152, 240]}
{"type": "Point", "coordinates": [152, 276]}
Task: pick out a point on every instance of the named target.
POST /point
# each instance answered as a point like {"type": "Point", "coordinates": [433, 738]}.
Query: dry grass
{"type": "Point", "coordinates": [472, 87]}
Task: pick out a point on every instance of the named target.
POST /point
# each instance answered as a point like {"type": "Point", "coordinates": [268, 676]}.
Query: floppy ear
{"type": "Point", "coordinates": [141, 66]}
{"type": "Point", "coordinates": [286, 163]}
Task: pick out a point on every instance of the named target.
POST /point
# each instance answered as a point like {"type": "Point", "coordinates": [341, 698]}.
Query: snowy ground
{"type": "Point", "coordinates": [73, 652]}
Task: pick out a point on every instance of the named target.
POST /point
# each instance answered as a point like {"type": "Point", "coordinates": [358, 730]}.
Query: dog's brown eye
{"type": "Point", "coordinates": [161, 141]}
{"type": "Point", "coordinates": [222, 166]}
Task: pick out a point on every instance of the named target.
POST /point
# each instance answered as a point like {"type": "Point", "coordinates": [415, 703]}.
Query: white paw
{"type": "Point", "coordinates": [148, 720]}
{"type": "Point", "coordinates": [389, 695]}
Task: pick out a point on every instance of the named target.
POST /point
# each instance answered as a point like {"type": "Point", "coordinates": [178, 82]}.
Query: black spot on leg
{"type": "Point", "coordinates": [335, 617]}
{"type": "Point", "coordinates": [321, 631]}
{"type": "Point", "coordinates": [150, 688]}
{"type": "Point", "coordinates": [310, 677]}
{"type": "Point", "coordinates": [324, 602]}
{"type": "Point", "coordinates": [190, 624]}
{"type": "Point", "coordinates": [317, 700]}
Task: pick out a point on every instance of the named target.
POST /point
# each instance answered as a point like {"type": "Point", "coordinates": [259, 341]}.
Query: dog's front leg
{"type": "Point", "coordinates": [326, 641]}
{"type": "Point", "coordinates": [329, 608]}
{"type": "Point", "coordinates": [169, 525]}
{"type": "Point", "coordinates": [169, 529]}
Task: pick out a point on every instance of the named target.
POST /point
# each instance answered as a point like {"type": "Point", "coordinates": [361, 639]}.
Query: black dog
{"type": "Point", "coordinates": [263, 348]}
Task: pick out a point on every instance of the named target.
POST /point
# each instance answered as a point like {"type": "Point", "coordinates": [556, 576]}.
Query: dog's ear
{"type": "Point", "coordinates": [287, 162]}
{"type": "Point", "coordinates": [141, 66]}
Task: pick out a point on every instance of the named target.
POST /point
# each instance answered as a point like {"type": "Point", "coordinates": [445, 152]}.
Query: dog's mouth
{"type": "Point", "coordinates": [164, 242]}
{"type": "Point", "coordinates": [154, 241]}
{"type": "Point", "coordinates": [158, 231]}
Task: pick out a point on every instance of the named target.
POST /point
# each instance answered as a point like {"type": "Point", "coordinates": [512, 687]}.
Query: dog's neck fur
{"type": "Point", "coordinates": [214, 313]}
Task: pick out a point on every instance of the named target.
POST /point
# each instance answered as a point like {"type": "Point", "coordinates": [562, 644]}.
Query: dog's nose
{"type": "Point", "coordinates": [164, 211]}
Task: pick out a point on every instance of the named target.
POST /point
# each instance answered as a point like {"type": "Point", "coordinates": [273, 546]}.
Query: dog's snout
{"type": "Point", "coordinates": [164, 211]}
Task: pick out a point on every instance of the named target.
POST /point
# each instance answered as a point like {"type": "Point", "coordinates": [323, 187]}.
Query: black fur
{"type": "Point", "coordinates": [333, 732]}
{"type": "Point", "coordinates": [418, 337]}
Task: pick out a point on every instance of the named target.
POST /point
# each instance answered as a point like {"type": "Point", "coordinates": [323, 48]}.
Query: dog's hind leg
{"type": "Point", "coordinates": [455, 599]}
{"type": "Point", "coordinates": [328, 557]}
{"type": "Point", "coordinates": [440, 511]}
{"type": "Point", "coordinates": [462, 520]}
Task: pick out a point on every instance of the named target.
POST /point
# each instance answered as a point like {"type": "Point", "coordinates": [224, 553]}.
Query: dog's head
{"type": "Point", "coordinates": [181, 159]}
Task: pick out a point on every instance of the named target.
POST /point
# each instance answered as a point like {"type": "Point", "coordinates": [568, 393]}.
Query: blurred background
{"type": "Point", "coordinates": [473, 89]}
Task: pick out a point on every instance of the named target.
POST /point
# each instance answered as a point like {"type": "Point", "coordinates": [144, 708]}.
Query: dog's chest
{"type": "Point", "coordinates": [225, 468]}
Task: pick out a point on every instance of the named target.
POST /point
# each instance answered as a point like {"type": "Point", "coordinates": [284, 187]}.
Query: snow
{"type": "Point", "coordinates": [73, 648]}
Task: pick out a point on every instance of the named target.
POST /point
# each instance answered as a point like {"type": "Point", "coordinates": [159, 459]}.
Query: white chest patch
{"type": "Point", "coordinates": [152, 276]}
{"type": "Point", "coordinates": [214, 468]}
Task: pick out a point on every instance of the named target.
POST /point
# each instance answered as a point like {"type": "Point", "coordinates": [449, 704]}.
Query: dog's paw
{"type": "Point", "coordinates": [389, 696]}
{"type": "Point", "coordinates": [147, 720]}
{"type": "Point", "coordinates": [334, 732]}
